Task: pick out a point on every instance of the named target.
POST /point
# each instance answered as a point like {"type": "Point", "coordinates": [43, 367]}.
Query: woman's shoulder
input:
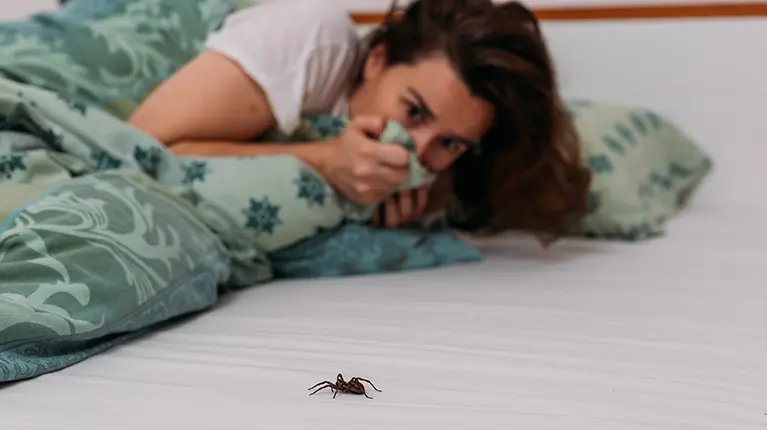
{"type": "Point", "coordinates": [318, 18]}
{"type": "Point", "coordinates": [301, 52]}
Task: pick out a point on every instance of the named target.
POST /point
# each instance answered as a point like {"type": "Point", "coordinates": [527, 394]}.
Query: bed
{"type": "Point", "coordinates": [666, 334]}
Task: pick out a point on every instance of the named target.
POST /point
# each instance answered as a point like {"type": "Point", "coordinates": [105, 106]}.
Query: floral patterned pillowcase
{"type": "Point", "coordinates": [275, 202]}
{"type": "Point", "coordinates": [644, 169]}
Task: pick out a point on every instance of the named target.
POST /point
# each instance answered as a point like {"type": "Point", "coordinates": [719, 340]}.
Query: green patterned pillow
{"type": "Point", "coordinates": [278, 201]}
{"type": "Point", "coordinates": [644, 168]}
{"type": "Point", "coordinates": [109, 54]}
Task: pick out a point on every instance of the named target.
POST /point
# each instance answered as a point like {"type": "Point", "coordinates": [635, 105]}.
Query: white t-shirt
{"type": "Point", "coordinates": [303, 54]}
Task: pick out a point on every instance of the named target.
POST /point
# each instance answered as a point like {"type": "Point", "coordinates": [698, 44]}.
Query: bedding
{"type": "Point", "coordinates": [109, 54]}
{"type": "Point", "coordinates": [96, 186]}
{"type": "Point", "coordinates": [95, 261]}
{"type": "Point", "coordinates": [644, 166]}
{"type": "Point", "coordinates": [281, 200]}
{"type": "Point", "coordinates": [644, 169]}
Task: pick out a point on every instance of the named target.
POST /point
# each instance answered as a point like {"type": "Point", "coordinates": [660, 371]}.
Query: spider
{"type": "Point", "coordinates": [353, 386]}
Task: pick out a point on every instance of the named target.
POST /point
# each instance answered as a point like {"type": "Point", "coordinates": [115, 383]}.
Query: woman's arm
{"type": "Point", "coordinates": [209, 99]}
{"type": "Point", "coordinates": [315, 155]}
{"type": "Point", "coordinates": [211, 108]}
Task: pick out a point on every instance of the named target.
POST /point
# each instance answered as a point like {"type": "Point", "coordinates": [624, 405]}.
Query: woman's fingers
{"type": "Point", "coordinates": [392, 216]}
{"type": "Point", "coordinates": [367, 131]}
{"type": "Point", "coordinates": [422, 200]}
{"type": "Point", "coordinates": [401, 209]}
{"type": "Point", "coordinates": [372, 126]}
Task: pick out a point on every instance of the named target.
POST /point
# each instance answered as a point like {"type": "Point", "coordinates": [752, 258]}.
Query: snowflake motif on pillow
{"type": "Point", "coordinates": [310, 188]}
{"type": "Point", "coordinates": [148, 159]}
{"type": "Point", "coordinates": [105, 161]}
{"type": "Point", "coordinates": [10, 164]}
{"type": "Point", "coordinates": [262, 216]}
{"type": "Point", "coordinates": [196, 171]}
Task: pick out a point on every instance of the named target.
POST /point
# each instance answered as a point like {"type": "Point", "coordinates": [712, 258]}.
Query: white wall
{"type": "Point", "coordinates": [707, 75]}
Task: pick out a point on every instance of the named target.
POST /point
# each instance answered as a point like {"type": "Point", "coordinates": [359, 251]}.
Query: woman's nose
{"type": "Point", "coordinates": [423, 139]}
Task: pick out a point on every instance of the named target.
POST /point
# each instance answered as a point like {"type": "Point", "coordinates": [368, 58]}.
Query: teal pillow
{"type": "Point", "coordinates": [95, 261]}
{"type": "Point", "coordinates": [644, 169]}
{"type": "Point", "coordinates": [355, 249]}
{"type": "Point", "coordinates": [109, 54]}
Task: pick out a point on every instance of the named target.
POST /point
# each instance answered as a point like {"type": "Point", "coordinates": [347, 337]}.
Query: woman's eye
{"type": "Point", "coordinates": [414, 113]}
{"type": "Point", "coordinates": [453, 144]}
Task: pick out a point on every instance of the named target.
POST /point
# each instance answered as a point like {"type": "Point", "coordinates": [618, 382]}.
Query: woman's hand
{"type": "Point", "coordinates": [402, 208]}
{"type": "Point", "coordinates": [363, 169]}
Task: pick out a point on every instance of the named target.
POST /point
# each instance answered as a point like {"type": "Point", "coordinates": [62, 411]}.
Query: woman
{"type": "Point", "coordinates": [472, 82]}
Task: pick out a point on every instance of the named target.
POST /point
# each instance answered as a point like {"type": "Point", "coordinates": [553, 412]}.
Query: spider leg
{"type": "Point", "coordinates": [320, 383]}
{"type": "Point", "coordinates": [322, 388]}
{"type": "Point", "coordinates": [371, 384]}
{"type": "Point", "coordinates": [335, 393]}
{"type": "Point", "coordinates": [362, 391]}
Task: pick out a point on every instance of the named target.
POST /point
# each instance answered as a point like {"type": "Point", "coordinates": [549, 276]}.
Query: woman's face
{"type": "Point", "coordinates": [430, 100]}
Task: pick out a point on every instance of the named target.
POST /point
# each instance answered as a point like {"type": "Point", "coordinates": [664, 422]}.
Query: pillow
{"type": "Point", "coordinates": [296, 217]}
{"type": "Point", "coordinates": [94, 262]}
{"type": "Point", "coordinates": [108, 53]}
{"type": "Point", "coordinates": [358, 249]}
{"type": "Point", "coordinates": [277, 201]}
{"type": "Point", "coordinates": [354, 248]}
{"type": "Point", "coordinates": [644, 168]}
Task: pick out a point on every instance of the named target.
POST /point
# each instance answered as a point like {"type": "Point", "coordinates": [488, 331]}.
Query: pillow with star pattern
{"type": "Point", "coordinates": [644, 169]}
{"type": "Point", "coordinates": [279, 199]}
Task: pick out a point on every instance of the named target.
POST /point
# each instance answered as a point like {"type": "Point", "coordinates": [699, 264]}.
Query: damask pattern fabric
{"type": "Point", "coordinates": [644, 169]}
{"type": "Point", "coordinates": [94, 262]}
{"type": "Point", "coordinates": [108, 53]}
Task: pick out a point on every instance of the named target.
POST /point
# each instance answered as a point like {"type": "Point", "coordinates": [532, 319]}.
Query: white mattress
{"type": "Point", "coordinates": [663, 335]}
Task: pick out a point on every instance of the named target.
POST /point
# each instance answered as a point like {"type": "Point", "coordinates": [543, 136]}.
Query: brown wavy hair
{"type": "Point", "coordinates": [528, 173]}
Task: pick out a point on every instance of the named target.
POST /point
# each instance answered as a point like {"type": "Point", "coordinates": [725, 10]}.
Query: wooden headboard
{"type": "Point", "coordinates": [626, 12]}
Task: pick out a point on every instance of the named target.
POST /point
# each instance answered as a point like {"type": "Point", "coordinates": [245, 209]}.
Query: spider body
{"type": "Point", "coordinates": [352, 386]}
